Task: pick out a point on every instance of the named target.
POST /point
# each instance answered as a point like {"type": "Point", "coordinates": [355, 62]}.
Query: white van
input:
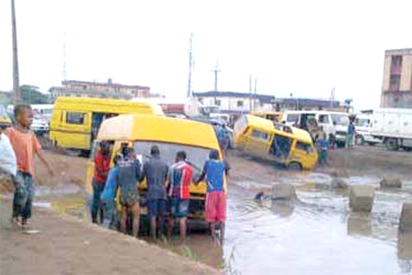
{"type": "Point", "coordinates": [363, 130]}
{"type": "Point", "coordinates": [334, 124]}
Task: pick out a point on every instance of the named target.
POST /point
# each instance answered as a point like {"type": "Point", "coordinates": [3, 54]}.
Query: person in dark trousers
{"type": "Point", "coordinates": [180, 177]}
{"type": "Point", "coordinates": [101, 169]}
{"type": "Point", "coordinates": [109, 194]}
{"type": "Point", "coordinates": [155, 172]}
{"type": "Point", "coordinates": [214, 172]}
{"type": "Point", "coordinates": [25, 146]}
{"type": "Point", "coordinates": [350, 135]}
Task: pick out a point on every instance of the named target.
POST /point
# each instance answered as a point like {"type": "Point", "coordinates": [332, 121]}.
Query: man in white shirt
{"type": "Point", "coordinates": [8, 164]}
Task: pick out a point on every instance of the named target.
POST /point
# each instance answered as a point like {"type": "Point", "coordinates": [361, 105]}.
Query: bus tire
{"type": "Point", "coordinates": [407, 149]}
{"type": "Point", "coordinates": [295, 166]}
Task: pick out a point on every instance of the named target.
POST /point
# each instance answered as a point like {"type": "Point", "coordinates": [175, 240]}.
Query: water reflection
{"type": "Point", "coordinates": [405, 245]}
{"type": "Point", "coordinates": [359, 224]}
{"type": "Point", "coordinates": [282, 208]}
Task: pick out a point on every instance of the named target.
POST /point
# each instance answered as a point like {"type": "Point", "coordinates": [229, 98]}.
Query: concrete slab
{"type": "Point", "coordinates": [405, 222]}
{"type": "Point", "coordinates": [283, 191]}
{"type": "Point", "coordinates": [361, 198]}
{"type": "Point", "coordinates": [391, 183]}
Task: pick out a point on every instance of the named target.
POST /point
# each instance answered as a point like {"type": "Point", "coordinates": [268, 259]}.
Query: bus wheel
{"type": "Point", "coordinates": [407, 149]}
{"type": "Point", "coordinates": [294, 166]}
{"type": "Point", "coordinates": [392, 144]}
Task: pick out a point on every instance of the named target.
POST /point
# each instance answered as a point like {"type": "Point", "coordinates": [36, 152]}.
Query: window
{"type": "Point", "coordinates": [324, 119]}
{"type": "Point", "coordinates": [218, 102]}
{"type": "Point", "coordinates": [292, 118]}
{"type": "Point", "coordinates": [260, 135]}
{"type": "Point", "coordinates": [303, 147]}
{"type": "Point", "coordinates": [397, 60]}
{"type": "Point", "coordinates": [240, 103]}
{"type": "Point", "coordinates": [75, 118]}
{"type": "Point", "coordinates": [394, 82]}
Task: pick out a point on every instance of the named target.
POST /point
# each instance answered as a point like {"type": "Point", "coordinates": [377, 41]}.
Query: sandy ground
{"type": "Point", "coordinates": [66, 245]}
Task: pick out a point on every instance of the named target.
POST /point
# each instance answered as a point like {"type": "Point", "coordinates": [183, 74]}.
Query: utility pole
{"type": "Point", "coordinates": [332, 97]}
{"type": "Point", "coordinates": [64, 72]}
{"type": "Point", "coordinates": [255, 93]}
{"type": "Point", "coordinates": [189, 82]}
{"type": "Point", "coordinates": [16, 85]}
{"type": "Point", "coordinates": [216, 71]}
{"type": "Point", "coordinates": [250, 92]}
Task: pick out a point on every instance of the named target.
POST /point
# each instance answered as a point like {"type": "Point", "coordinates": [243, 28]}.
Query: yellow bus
{"type": "Point", "coordinates": [75, 121]}
{"type": "Point", "coordinates": [170, 135]}
{"type": "Point", "coordinates": [270, 115]}
{"type": "Point", "coordinates": [290, 146]}
{"type": "Point", "coordinates": [4, 118]}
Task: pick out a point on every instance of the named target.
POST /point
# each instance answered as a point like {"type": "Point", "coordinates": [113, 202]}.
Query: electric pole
{"type": "Point", "coordinates": [64, 72]}
{"type": "Point", "coordinates": [16, 85]}
{"type": "Point", "coordinates": [216, 71]}
{"type": "Point", "coordinates": [250, 92]}
{"type": "Point", "coordinates": [189, 82]}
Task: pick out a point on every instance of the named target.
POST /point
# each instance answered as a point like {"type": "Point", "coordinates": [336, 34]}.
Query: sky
{"type": "Point", "coordinates": [303, 48]}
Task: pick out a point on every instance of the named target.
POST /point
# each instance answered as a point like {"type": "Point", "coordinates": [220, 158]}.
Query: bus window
{"type": "Point", "coordinates": [304, 147]}
{"type": "Point", "coordinates": [281, 146]}
{"type": "Point", "coordinates": [75, 118]}
{"type": "Point", "coordinates": [260, 135]}
{"type": "Point", "coordinates": [292, 118]}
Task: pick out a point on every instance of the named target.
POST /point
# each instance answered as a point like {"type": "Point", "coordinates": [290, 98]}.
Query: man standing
{"type": "Point", "coordinates": [101, 169]}
{"type": "Point", "coordinates": [155, 171]}
{"type": "Point", "coordinates": [180, 177]}
{"type": "Point", "coordinates": [350, 135]}
{"type": "Point", "coordinates": [214, 172]}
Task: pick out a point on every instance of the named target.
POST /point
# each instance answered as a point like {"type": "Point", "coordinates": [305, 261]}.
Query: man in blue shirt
{"type": "Point", "coordinates": [214, 172]}
{"type": "Point", "coordinates": [109, 195]}
{"type": "Point", "coordinates": [351, 133]}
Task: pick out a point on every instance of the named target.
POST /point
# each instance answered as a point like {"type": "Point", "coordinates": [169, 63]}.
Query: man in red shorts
{"type": "Point", "coordinates": [214, 171]}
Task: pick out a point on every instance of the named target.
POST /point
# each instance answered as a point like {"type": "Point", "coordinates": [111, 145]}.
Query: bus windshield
{"type": "Point", "coordinates": [196, 156]}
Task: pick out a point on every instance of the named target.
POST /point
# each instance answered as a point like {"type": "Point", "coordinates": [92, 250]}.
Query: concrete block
{"type": "Point", "coordinates": [359, 224]}
{"type": "Point", "coordinates": [361, 198]}
{"type": "Point", "coordinates": [405, 223]}
{"type": "Point", "coordinates": [339, 184]}
{"type": "Point", "coordinates": [391, 183]}
{"type": "Point", "coordinates": [283, 191]}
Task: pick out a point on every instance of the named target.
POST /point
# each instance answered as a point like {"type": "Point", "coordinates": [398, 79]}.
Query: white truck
{"type": "Point", "coordinates": [394, 127]}
{"type": "Point", "coordinates": [363, 130]}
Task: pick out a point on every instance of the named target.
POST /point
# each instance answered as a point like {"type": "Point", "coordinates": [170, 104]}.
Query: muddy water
{"type": "Point", "coordinates": [317, 235]}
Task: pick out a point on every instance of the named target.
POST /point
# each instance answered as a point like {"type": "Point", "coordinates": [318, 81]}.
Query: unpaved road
{"type": "Point", "coordinates": [67, 246]}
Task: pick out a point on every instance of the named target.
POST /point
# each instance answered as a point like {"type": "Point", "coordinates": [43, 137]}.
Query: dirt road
{"type": "Point", "coordinates": [66, 245]}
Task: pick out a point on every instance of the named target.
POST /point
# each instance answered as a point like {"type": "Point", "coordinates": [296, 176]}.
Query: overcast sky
{"type": "Point", "coordinates": [300, 47]}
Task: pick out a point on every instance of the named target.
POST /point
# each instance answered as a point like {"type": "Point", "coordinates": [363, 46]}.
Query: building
{"type": "Point", "coordinates": [6, 98]}
{"type": "Point", "coordinates": [74, 88]}
{"type": "Point", "coordinates": [397, 79]}
{"type": "Point", "coordinates": [234, 102]}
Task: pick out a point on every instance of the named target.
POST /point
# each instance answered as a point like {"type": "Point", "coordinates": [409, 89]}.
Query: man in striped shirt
{"type": "Point", "coordinates": [180, 177]}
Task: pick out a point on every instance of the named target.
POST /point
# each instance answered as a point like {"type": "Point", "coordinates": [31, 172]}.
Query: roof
{"type": "Point", "coordinates": [267, 125]}
{"type": "Point", "coordinates": [399, 52]}
{"type": "Point", "coordinates": [261, 97]}
{"type": "Point", "coordinates": [65, 82]}
{"type": "Point", "coordinates": [309, 102]}
{"type": "Point", "coordinates": [160, 129]}
{"type": "Point", "coordinates": [315, 112]}
{"type": "Point", "coordinates": [107, 105]}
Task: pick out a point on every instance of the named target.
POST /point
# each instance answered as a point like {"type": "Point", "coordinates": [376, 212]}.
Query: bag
{"type": "Point", "coordinates": [8, 162]}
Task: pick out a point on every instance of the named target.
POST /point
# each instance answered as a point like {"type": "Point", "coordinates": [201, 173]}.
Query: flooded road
{"type": "Point", "coordinates": [316, 235]}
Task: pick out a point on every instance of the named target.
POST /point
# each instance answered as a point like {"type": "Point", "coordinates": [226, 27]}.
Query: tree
{"type": "Point", "coordinates": [31, 95]}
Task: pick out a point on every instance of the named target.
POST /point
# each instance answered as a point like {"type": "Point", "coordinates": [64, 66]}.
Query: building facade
{"type": "Point", "coordinates": [397, 79]}
{"type": "Point", "coordinates": [296, 103]}
{"type": "Point", "coordinates": [234, 102]}
{"type": "Point", "coordinates": [74, 88]}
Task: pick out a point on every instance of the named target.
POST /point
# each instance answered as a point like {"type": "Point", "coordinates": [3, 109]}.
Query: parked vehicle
{"type": "Point", "coordinates": [5, 121]}
{"type": "Point", "coordinates": [76, 121]}
{"type": "Point", "coordinates": [289, 146]}
{"type": "Point", "coordinates": [271, 115]}
{"type": "Point", "coordinates": [334, 124]}
{"type": "Point", "coordinates": [363, 130]}
{"type": "Point", "coordinates": [170, 135]}
{"type": "Point", "coordinates": [39, 126]}
{"type": "Point", "coordinates": [393, 127]}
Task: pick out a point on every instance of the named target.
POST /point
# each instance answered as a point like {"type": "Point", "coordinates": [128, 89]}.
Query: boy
{"type": "Point", "coordinates": [322, 144]}
{"type": "Point", "coordinates": [101, 169]}
{"type": "Point", "coordinates": [214, 171]}
{"type": "Point", "coordinates": [155, 171]}
{"type": "Point", "coordinates": [180, 177]}
{"type": "Point", "coordinates": [109, 194]}
{"type": "Point", "coordinates": [350, 135]}
{"type": "Point", "coordinates": [25, 145]}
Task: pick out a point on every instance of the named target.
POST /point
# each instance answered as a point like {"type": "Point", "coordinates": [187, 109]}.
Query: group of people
{"type": "Point", "coordinates": [167, 196]}
{"type": "Point", "coordinates": [18, 146]}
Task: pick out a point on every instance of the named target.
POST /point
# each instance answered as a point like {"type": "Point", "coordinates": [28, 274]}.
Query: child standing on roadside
{"type": "Point", "coordinates": [25, 145]}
